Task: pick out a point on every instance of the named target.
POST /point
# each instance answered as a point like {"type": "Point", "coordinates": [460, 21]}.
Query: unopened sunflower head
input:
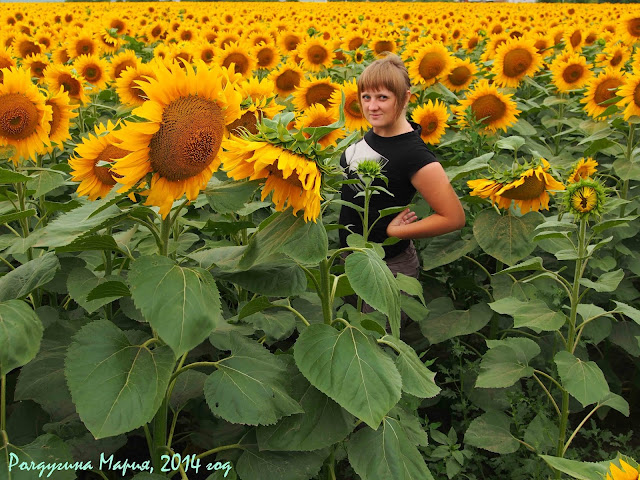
{"type": "Point", "coordinates": [627, 472]}
{"type": "Point", "coordinates": [585, 198]}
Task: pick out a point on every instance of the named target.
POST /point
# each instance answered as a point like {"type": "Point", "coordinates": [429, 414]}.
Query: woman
{"type": "Point", "coordinates": [384, 91]}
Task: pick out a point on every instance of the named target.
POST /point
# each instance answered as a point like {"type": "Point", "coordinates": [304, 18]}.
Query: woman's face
{"type": "Point", "coordinates": [379, 107]}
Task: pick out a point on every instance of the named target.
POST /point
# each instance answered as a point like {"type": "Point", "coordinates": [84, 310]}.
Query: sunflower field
{"type": "Point", "coordinates": [173, 295]}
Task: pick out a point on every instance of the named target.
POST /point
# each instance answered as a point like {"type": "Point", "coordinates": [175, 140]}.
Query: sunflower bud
{"type": "Point", "coordinates": [369, 168]}
{"type": "Point", "coordinates": [585, 198]}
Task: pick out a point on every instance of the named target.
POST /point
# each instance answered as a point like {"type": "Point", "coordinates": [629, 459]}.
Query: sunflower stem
{"type": "Point", "coordinates": [165, 232]}
{"type": "Point", "coordinates": [3, 403]}
{"type": "Point", "coordinates": [625, 185]}
{"type": "Point", "coordinates": [575, 298]}
{"type": "Point", "coordinates": [325, 290]}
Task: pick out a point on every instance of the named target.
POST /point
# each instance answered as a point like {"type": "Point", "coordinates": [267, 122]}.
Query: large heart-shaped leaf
{"type": "Point", "coordinates": [506, 362]}
{"type": "Point", "coordinates": [491, 431]}
{"type": "Point", "coordinates": [117, 385]}
{"type": "Point", "coordinates": [20, 335]}
{"type": "Point", "coordinates": [584, 380]}
{"type": "Point", "coordinates": [181, 303]}
{"type": "Point", "coordinates": [256, 465]}
{"type": "Point", "coordinates": [46, 450]}
{"type": "Point", "coordinates": [23, 280]}
{"type": "Point", "coordinates": [349, 367]}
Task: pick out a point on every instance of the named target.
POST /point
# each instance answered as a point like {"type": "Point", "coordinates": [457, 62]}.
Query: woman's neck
{"type": "Point", "coordinates": [401, 126]}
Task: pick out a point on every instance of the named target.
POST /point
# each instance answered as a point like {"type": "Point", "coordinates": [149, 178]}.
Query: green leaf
{"type": "Point", "coordinates": [45, 450]}
{"type": "Point", "coordinates": [579, 470]}
{"type": "Point", "coordinates": [627, 310]}
{"type": "Point", "coordinates": [92, 242]}
{"type": "Point", "coordinates": [256, 465]}
{"type": "Point", "coordinates": [507, 238]}
{"type": "Point", "coordinates": [473, 165]}
{"type": "Point", "coordinates": [280, 278]}
{"type": "Point", "coordinates": [608, 282]}
{"type": "Point", "coordinates": [491, 431]}
{"type": "Point", "coordinates": [625, 335]}
{"type": "Point", "coordinates": [251, 386]}
{"type": "Point", "coordinates": [417, 379]}
{"type": "Point", "coordinates": [349, 367]}
{"type": "Point", "coordinates": [445, 249]}
{"type": "Point", "coordinates": [230, 196]}
{"type": "Point", "coordinates": [410, 285]}
{"type": "Point", "coordinates": [45, 181]}
{"type": "Point", "coordinates": [81, 221]}
{"type": "Point", "coordinates": [513, 142]}
{"type": "Point", "coordinates": [626, 169]}
{"type": "Point", "coordinates": [597, 146]}
{"type": "Point", "coordinates": [277, 325]}
{"type": "Point", "coordinates": [116, 385]}
{"type": "Point", "coordinates": [189, 384]}
{"type": "Point", "coordinates": [109, 289]}
{"type": "Point", "coordinates": [20, 335]}
{"type": "Point", "coordinates": [534, 314]}
{"type": "Point", "coordinates": [12, 217]}
{"type": "Point", "coordinates": [305, 242]}
{"type": "Point", "coordinates": [256, 305]}
{"type": "Point", "coordinates": [438, 327]}
{"type": "Point", "coordinates": [81, 282]}
{"type": "Point", "coordinates": [42, 380]}
{"type": "Point", "coordinates": [182, 304]}
{"type": "Point", "coordinates": [26, 278]}
{"type": "Point", "coordinates": [615, 222]}
{"type": "Point", "coordinates": [541, 433]}
{"type": "Point", "coordinates": [322, 424]}
{"type": "Point", "coordinates": [9, 176]}
{"type": "Point", "coordinates": [372, 280]}
{"type": "Point", "coordinates": [533, 264]}
{"type": "Point", "coordinates": [583, 380]}
{"type": "Point", "coordinates": [386, 453]}
{"type": "Point", "coordinates": [506, 362]}
{"type": "Point", "coordinates": [413, 308]}
{"type": "Point", "coordinates": [616, 402]}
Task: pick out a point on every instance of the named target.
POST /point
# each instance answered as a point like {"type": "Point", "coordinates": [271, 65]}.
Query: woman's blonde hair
{"type": "Point", "coordinates": [388, 72]}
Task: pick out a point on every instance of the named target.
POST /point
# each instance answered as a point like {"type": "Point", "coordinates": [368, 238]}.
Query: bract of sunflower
{"type": "Point", "coordinates": [529, 186]}
{"type": "Point", "coordinates": [176, 151]}
{"type": "Point", "coordinates": [584, 198]}
{"type": "Point", "coordinates": [291, 163]}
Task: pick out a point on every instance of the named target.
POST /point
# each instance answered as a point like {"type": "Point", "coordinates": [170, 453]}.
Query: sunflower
{"type": "Point", "coordinates": [515, 59]}
{"type": "Point", "coordinates": [531, 190]}
{"type": "Point", "coordinates": [631, 28]}
{"type": "Point", "coordinates": [381, 44]}
{"type": "Point", "coordinates": [572, 38]}
{"type": "Point", "coordinates": [614, 56]}
{"type": "Point", "coordinates": [24, 45]}
{"type": "Point", "coordinates": [570, 73]}
{"type": "Point", "coordinates": [267, 56]}
{"type": "Point", "coordinates": [81, 43]}
{"type": "Point", "coordinates": [240, 55]}
{"type": "Point", "coordinates": [630, 93]}
{"type": "Point", "coordinates": [120, 62]}
{"type": "Point", "coordinates": [601, 91]}
{"type": "Point", "coordinates": [432, 117]}
{"type": "Point", "coordinates": [354, 41]}
{"type": "Point", "coordinates": [353, 117]}
{"type": "Point", "coordinates": [62, 112]}
{"type": "Point", "coordinates": [258, 37]}
{"type": "Point", "coordinates": [294, 180]}
{"type": "Point", "coordinates": [318, 116]}
{"type": "Point", "coordinates": [315, 55]}
{"type": "Point", "coordinates": [461, 75]}
{"type": "Point", "coordinates": [24, 116]}
{"type": "Point", "coordinates": [36, 65]}
{"type": "Point", "coordinates": [93, 69]}
{"type": "Point", "coordinates": [493, 109]}
{"type": "Point", "coordinates": [494, 42]}
{"type": "Point", "coordinates": [56, 76]}
{"type": "Point", "coordinates": [60, 55]}
{"type": "Point", "coordinates": [108, 43]}
{"type": "Point", "coordinates": [488, 188]}
{"type": "Point", "coordinates": [585, 198]}
{"type": "Point", "coordinates": [128, 85]}
{"type": "Point", "coordinates": [583, 168]}
{"type": "Point", "coordinates": [90, 160]}
{"type": "Point", "coordinates": [312, 91]}
{"type": "Point", "coordinates": [187, 112]}
{"type": "Point", "coordinates": [156, 31]}
{"type": "Point", "coordinates": [430, 63]}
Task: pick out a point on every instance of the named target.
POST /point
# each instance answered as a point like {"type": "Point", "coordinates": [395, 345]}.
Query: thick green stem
{"type": "Point", "coordinates": [575, 298]}
{"type": "Point", "coordinates": [625, 185]}
{"type": "Point", "coordinates": [159, 434]}
{"type": "Point", "coordinates": [165, 232]}
{"type": "Point", "coordinates": [325, 294]}
{"type": "Point", "coordinates": [3, 403]}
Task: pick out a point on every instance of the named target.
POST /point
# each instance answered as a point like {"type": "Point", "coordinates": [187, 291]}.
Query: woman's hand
{"type": "Point", "coordinates": [406, 217]}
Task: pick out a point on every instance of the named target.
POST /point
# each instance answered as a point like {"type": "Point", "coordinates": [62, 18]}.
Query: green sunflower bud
{"type": "Point", "coordinates": [585, 198]}
{"type": "Point", "coordinates": [370, 168]}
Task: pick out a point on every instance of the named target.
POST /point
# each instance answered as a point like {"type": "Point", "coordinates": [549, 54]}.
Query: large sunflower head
{"type": "Point", "coordinates": [24, 45]}
{"type": "Point", "coordinates": [430, 63]}
{"type": "Point", "coordinates": [318, 116]}
{"type": "Point", "coordinates": [312, 91]}
{"type": "Point", "coordinates": [267, 56]}
{"type": "Point", "coordinates": [515, 59]}
{"type": "Point", "coordinates": [93, 160]}
{"type": "Point", "coordinates": [93, 69]}
{"type": "Point", "coordinates": [488, 106]}
{"type": "Point", "coordinates": [614, 56]}
{"type": "Point", "coordinates": [630, 93]}
{"type": "Point", "coordinates": [186, 112]}
{"type": "Point", "coordinates": [128, 84]}
{"type": "Point", "coordinates": [36, 65]}
{"type": "Point", "coordinates": [240, 55]}
{"type": "Point", "coordinates": [286, 79]}
{"type": "Point", "coordinates": [461, 75]}
{"type": "Point", "coordinates": [631, 28]}
{"type": "Point", "coordinates": [24, 115]}
{"type": "Point", "coordinates": [601, 92]}
{"type": "Point", "coordinates": [570, 72]}
{"type": "Point", "coordinates": [122, 61]}
{"type": "Point", "coordinates": [6, 60]}
{"type": "Point", "coordinates": [82, 43]}
{"type": "Point", "coordinates": [315, 54]}
{"type": "Point", "coordinates": [432, 118]}
{"type": "Point", "coordinates": [56, 76]}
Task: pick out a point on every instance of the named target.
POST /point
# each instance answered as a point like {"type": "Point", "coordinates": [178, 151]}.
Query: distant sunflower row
{"type": "Point", "coordinates": [175, 65]}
